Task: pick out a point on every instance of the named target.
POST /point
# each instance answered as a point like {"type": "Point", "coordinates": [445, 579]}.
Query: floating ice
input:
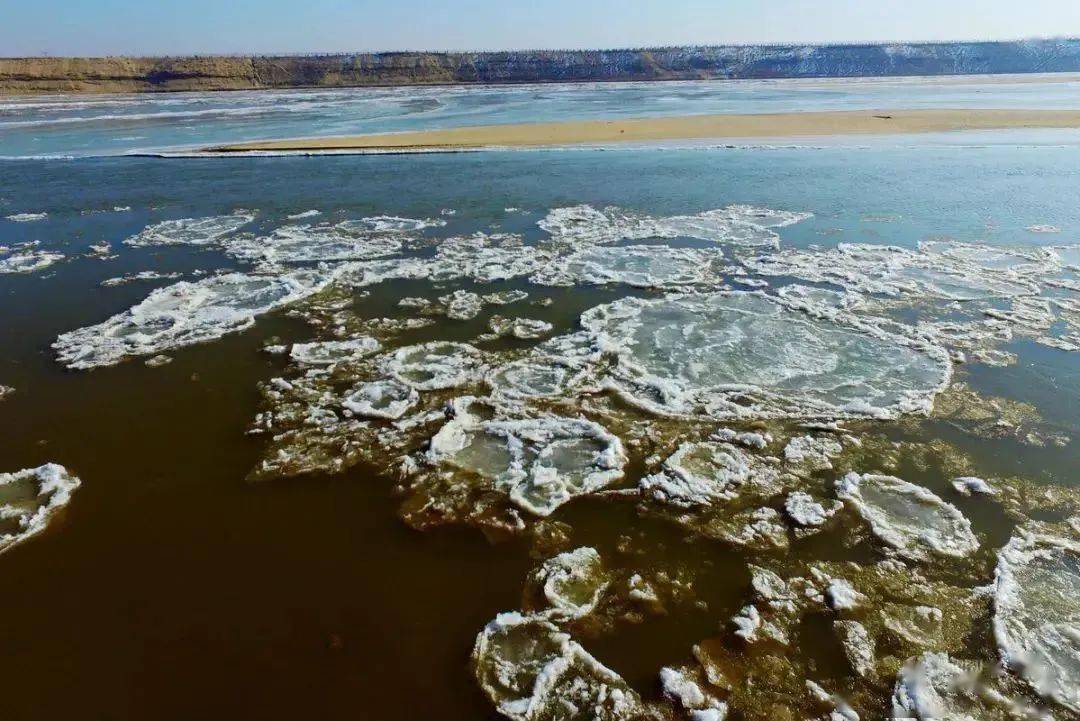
{"type": "Point", "coordinates": [28, 498]}
{"type": "Point", "coordinates": [27, 217]}
{"type": "Point", "coordinates": [309, 244]}
{"type": "Point", "coordinates": [738, 354]}
{"type": "Point", "coordinates": [435, 366]}
{"type": "Point", "coordinates": [305, 214]}
{"type": "Point", "coordinates": [908, 518]}
{"type": "Point", "coordinates": [741, 225]}
{"type": "Point", "coordinates": [842, 596]}
{"type": "Point", "coordinates": [184, 314]}
{"type": "Point", "coordinates": [812, 452]}
{"type": "Point", "coordinates": [944, 271]}
{"type": "Point", "coordinates": [1043, 229]}
{"type": "Point", "coordinates": [572, 582]}
{"type": "Point", "coordinates": [1037, 614]}
{"type": "Point", "coordinates": [678, 686]}
{"type": "Point", "coordinates": [703, 474]}
{"type": "Point", "coordinates": [968, 485]}
{"type": "Point", "coordinates": [934, 687]}
{"type": "Point", "coordinates": [190, 231]}
{"type": "Point", "coordinates": [486, 258]}
{"type": "Point", "coordinates": [335, 351]}
{"type": "Point", "coordinates": [140, 276]}
{"type": "Point", "coordinates": [5, 391]}
{"type": "Point", "coordinates": [532, 671]}
{"type": "Point", "coordinates": [381, 399]}
{"type": "Point", "coordinates": [645, 266]}
{"type": "Point", "coordinates": [540, 463]}
{"type": "Point", "coordinates": [27, 261]}
{"type": "Point", "coordinates": [858, 646]}
{"type": "Point", "coordinates": [807, 512]}
{"type": "Point", "coordinates": [520, 328]}
{"type": "Point", "coordinates": [462, 305]}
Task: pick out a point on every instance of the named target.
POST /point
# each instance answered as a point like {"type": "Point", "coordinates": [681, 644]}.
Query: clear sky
{"type": "Point", "coordinates": [155, 27]}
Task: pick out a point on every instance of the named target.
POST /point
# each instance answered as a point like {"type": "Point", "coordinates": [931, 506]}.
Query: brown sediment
{"type": "Point", "coordinates": [689, 127]}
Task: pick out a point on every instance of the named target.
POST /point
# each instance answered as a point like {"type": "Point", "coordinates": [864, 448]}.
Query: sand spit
{"type": "Point", "coordinates": [690, 127]}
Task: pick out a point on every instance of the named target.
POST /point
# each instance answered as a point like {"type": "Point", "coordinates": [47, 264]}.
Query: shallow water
{"type": "Point", "coordinates": [172, 586]}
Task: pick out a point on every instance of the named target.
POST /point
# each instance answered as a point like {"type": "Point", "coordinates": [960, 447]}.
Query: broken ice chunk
{"type": "Point", "coordinates": [28, 498]}
{"type": "Point", "coordinates": [540, 463]}
{"type": "Point", "coordinates": [572, 582]}
{"type": "Point", "coordinates": [190, 231]}
{"type": "Point", "coordinates": [184, 314]}
{"type": "Point", "coordinates": [436, 366]}
{"type": "Point", "coordinates": [1037, 614]}
{"type": "Point", "coordinates": [908, 518]}
{"type": "Point", "coordinates": [332, 352]}
{"type": "Point", "coordinates": [532, 671]}
{"type": "Point", "coordinates": [381, 399]}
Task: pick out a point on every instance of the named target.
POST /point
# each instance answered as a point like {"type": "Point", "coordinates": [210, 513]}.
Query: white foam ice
{"type": "Point", "coordinates": [540, 463]}
{"type": "Point", "coordinates": [1037, 613]}
{"type": "Point", "coordinates": [572, 583]}
{"type": "Point", "coordinates": [908, 518]}
{"type": "Point", "coordinates": [705, 474]}
{"type": "Point", "coordinates": [643, 266]}
{"type": "Point", "coordinates": [806, 511]}
{"type": "Point", "coordinates": [184, 314]}
{"type": "Point", "coordinates": [388, 399]}
{"type": "Point", "coordinates": [29, 498]}
{"type": "Point", "coordinates": [814, 453]}
{"type": "Point", "coordinates": [334, 351]}
{"type": "Point", "coordinates": [190, 231]}
{"type": "Point", "coordinates": [26, 260]}
{"type": "Point", "coordinates": [435, 366]}
{"type": "Point", "coordinates": [532, 671]}
{"type": "Point", "coordinates": [739, 354]}
{"type": "Point", "coordinates": [27, 217]}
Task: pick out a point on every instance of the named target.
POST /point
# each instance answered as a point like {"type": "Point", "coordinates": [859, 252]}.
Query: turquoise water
{"type": "Point", "coordinates": [107, 124]}
{"type": "Point", "coordinates": [173, 587]}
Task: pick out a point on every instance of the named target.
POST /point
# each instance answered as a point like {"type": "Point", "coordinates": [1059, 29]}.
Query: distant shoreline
{"type": "Point", "coordinates": [30, 76]}
{"type": "Point", "coordinates": [689, 127]}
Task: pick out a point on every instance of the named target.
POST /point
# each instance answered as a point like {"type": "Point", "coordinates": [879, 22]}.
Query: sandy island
{"type": "Point", "coordinates": [690, 127]}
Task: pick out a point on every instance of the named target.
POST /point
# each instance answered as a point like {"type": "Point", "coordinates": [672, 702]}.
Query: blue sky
{"type": "Point", "coordinates": [99, 27]}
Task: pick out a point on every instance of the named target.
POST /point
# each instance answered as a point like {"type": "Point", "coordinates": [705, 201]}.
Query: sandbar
{"type": "Point", "coordinates": [686, 127]}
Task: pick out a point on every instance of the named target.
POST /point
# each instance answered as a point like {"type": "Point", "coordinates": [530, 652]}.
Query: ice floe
{"type": "Point", "coordinates": [908, 518]}
{"type": "Point", "coordinates": [645, 266]}
{"type": "Point", "coordinates": [28, 498]}
{"type": "Point", "coordinates": [739, 354]}
{"type": "Point", "coordinates": [140, 276]}
{"type": "Point", "coordinates": [190, 231]}
{"type": "Point", "coordinates": [25, 260]}
{"type": "Point", "coordinates": [702, 474]}
{"type": "Point", "coordinates": [539, 463]}
{"type": "Point", "coordinates": [533, 671]}
{"type": "Point", "coordinates": [572, 582]}
{"type": "Point", "coordinates": [27, 217]}
{"type": "Point", "coordinates": [520, 328]}
{"type": "Point", "coordinates": [739, 225]}
{"type": "Point", "coordinates": [335, 351]}
{"type": "Point", "coordinates": [347, 240]}
{"type": "Point", "coordinates": [184, 314]}
{"type": "Point", "coordinates": [436, 366]}
{"type": "Point", "coordinates": [1037, 614]}
{"type": "Point", "coordinates": [387, 399]}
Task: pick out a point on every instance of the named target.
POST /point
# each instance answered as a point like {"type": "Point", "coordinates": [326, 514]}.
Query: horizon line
{"type": "Point", "coordinates": [643, 48]}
